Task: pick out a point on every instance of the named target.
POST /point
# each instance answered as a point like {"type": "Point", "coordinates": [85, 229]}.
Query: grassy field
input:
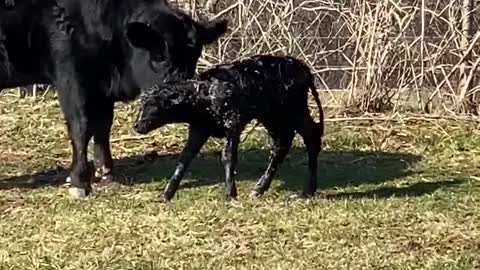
{"type": "Point", "coordinates": [394, 195]}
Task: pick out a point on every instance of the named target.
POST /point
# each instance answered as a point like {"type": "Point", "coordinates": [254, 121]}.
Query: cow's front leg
{"type": "Point", "coordinates": [77, 125]}
{"type": "Point", "coordinates": [78, 112]}
{"type": "Point", "coordinates": [5, 66]}
{"type": "Point", "coordinates": [102, 123]}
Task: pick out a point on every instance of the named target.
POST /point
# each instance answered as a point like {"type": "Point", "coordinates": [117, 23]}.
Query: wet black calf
{"type": "Point", "coordinates": [273, 90]}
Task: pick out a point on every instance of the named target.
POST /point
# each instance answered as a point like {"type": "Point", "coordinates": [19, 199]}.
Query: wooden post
{"type": "Point", "coordinates": [466, 83]}
{"type": "Point", "coordinates": [422, 59]}
{"type": "Point", "coordinates": [34, 91]}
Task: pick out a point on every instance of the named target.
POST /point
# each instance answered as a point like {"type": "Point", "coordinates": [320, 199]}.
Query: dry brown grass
{"type": "Point", "coordinates": [396, 193]}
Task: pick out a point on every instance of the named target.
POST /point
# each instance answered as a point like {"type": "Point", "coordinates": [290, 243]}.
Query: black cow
{"type": "Point", "coordinates": [4, 61]}
{"type": "Point", "coordinates": [273, 90]}
{"type": "Point", "coordinates": [9, 3]}
{"type": "Point", "coordinates": [97, 52]}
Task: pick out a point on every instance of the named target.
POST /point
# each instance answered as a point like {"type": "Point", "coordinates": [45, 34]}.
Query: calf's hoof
{"type": "Point", "coordinates": [168, 194]}
{"type": "Point", "coordinates": [166, 198]}
{"type": "Point", "coordinates": [78, 193]}
{"type": "Point", "coordinates": [256, 194]}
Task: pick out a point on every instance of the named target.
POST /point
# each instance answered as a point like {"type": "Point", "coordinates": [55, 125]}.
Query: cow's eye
{"type": "Point", "coordinates": [156, 58]}
{"type": "Point", "coordinates": [156, 63]}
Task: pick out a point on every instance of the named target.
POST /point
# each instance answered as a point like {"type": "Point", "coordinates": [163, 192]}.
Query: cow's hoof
{"type": "Point", "coordinates": [308, 194]}
{"type": "Point", "coordinates": [234, 202]}
{"type": "Point", "coordinates": [102, 172]}
{"type": "Point", "coordinates": [107, 181]}
{"type": "Point", "coordinates": [231, 198]}
{"type": "Point", "coordinates": [77, 193]}
{"type": "Point", "coordinates": [294, 196]}
{"type": "Point", "coordinates": [67, 182]}
{"type": "Point", "coordinates": [98, 173]}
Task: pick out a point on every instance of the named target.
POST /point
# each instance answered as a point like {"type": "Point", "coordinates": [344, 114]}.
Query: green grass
{"type": "Point", "coordinates": [393, 196]}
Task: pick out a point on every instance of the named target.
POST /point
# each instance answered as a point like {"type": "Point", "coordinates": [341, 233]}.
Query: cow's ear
{"type": "Point", "coordinates": [211, 30]}
{"type": "Point", "coordinates": [141, 35]}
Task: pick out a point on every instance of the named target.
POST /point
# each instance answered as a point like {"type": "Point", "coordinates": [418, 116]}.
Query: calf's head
{"type": "Point", "coordinates": [166, 45]}
{"type": "Point", "coordinates": [160, 105]}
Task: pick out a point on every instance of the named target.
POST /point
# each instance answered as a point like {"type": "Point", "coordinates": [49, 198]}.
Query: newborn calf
{"type": "Point", "coordinates": [271, 89]}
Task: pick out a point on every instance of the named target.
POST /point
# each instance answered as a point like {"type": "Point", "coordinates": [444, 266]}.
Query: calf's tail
{"type": "Point", "coordinates": [316, 98]}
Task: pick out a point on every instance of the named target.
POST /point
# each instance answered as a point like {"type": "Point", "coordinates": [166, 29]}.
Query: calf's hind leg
{"type": "Point", "coordinates": [229, 160]}
{"type": "Point", "coordinates": [281, 145]}
{"type": "Point", "coordinates": [311, 134]}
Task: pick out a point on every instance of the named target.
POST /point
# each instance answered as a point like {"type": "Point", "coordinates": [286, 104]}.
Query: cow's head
{"type": "Point", "coordinates": [166, 45]}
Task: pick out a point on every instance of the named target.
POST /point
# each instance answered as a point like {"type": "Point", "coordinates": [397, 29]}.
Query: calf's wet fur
{"type": "Point", "coordinates": [223, 100]}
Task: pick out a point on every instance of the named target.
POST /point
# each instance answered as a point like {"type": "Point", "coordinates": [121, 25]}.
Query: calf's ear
{"type": "Point", "coordinates": [175, 98]}
{"type": "Point", "coordinates": [141, 35]}
{"type": "Point", "coordinates": [211, 30]}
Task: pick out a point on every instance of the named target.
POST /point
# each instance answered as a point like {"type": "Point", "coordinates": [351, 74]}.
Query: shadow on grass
{"type": "Point", "coordinates": [336, 169]}
{"type": "Point", "coordinates": [413, 190]}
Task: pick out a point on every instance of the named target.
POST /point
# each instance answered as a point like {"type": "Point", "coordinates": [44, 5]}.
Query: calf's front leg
{"type": "Point", "coordinates": [197, 137]}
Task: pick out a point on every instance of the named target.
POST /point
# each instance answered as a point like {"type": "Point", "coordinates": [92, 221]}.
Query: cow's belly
{"type": "Point", "coordinates": [17, 80]}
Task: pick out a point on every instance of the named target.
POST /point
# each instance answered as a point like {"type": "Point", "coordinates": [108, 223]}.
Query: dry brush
{"type": "Point", "coordinates": [386, 55]}
{"type": "Point", "coordinates": [367, 55]}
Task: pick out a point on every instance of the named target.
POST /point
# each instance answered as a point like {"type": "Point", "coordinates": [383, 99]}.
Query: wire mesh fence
{"type": "Point", "coordinates": [371, 55]}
